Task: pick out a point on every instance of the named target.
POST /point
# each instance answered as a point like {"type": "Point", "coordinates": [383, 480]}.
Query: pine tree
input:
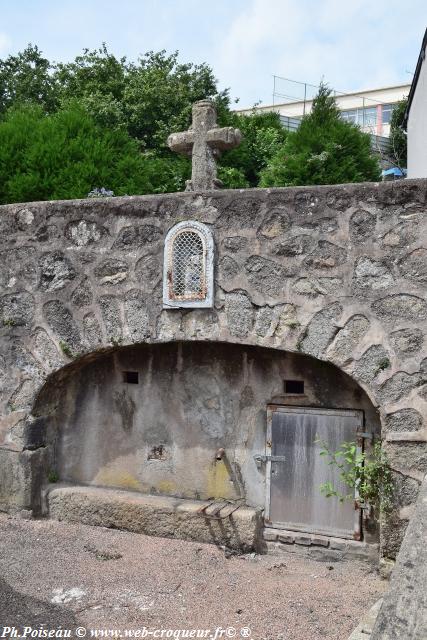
{"type": "Point", "coordinates": [324, 150]}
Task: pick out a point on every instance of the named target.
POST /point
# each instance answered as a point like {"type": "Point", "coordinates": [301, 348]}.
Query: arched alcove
{"type": "Point", "coordinates": [188, 266]}
{"type": "Point", "coordinates": [152, 418]}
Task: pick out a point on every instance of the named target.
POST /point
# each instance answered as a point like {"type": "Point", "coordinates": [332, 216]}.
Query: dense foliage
{"type": "Point", "coordinates": [263, 135]}
{"type": "Point", "coordinates": [65, 154]}
{"type": "Point", "coordinates": [99, 121]}
{"type": "Point", "coordinates": [149, 98]}
{"type": "Point", "coordinates": [128, 108]}
{"type": "Point", "coordinates": [27, 78]}
{"type": "Point", "coordinates": [324, 150]}
{"type": "Point", "coordinates": [369, 476]}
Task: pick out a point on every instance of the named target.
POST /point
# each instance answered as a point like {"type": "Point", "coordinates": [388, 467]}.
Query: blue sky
{"type": "Point", "coordinates": [356, 44]}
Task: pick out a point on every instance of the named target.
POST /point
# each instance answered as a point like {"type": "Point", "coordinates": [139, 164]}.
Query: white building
{"type": "Point", "coordinates": [416, 118]}
{"type": "Point", "coordinates": [370, 109]}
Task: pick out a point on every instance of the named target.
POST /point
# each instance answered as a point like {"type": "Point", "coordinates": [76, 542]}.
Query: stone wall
{"type": "Point", "coordinates": [337, 273]}
{"type": "Point", "coordinates": [403, 612]}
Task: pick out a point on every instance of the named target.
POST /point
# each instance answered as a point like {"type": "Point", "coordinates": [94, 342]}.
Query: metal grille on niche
{"type": "Point", "coordinates": [187, 267]}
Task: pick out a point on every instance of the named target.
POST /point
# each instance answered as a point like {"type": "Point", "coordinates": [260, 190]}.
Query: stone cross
{"type": "Point", "coordinates": [204, 142]}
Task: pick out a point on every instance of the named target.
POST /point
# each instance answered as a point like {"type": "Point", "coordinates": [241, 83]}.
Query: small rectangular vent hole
{"type": "Point", "coordinates": [131, 377]}
{"type": "Point", "coordinates": [294, 386]}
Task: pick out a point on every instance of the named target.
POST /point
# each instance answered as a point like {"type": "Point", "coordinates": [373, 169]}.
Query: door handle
{"type": "Point", "coordinates": [261, 459]}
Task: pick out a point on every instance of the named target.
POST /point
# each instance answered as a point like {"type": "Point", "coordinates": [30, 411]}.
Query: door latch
{"type": "Point", "coordinates": [261, 459]}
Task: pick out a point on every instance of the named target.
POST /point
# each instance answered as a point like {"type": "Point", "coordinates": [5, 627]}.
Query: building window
{"type": "Point", "coordinates": [289, 123]}
{"type": "Point", "coordinates": [365, 117]}
{"type": "Point", "coordinates": [387, 111]}
{"type": "Point", "coordinates": [369, 117]}
{"type": "Point", "coordinates": [188, 272]}
{"type": "Point", "coordinates": [188, 266]}
{"type": "Point", "coordinates": [350, 115]}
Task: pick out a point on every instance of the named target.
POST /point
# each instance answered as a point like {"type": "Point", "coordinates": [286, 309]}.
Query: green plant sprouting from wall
{"type": "Point", "coordinates": [367, 474]}
{"type": "Point", "coordinates": [383, 364]}
{"type": "Point", "coordinates": [53, 476]}
{"type": "Point", "coordinates": [66, 349]}
{"type": "Point", "coordinates": [8, 322]}
{"type": "Point", "coordinates": [292, 324]}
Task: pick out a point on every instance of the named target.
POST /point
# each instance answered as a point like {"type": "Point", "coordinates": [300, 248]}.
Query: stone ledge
{"type": "Point", "coordinates": [154, 515]}
{"type": "Point", "coordinates": [407, 436]}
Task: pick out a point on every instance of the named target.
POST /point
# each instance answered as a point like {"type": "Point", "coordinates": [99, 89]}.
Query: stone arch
{"type": "Point", "coordinates": [333, 335]}
{"type": "Point", "coordinates": [337, 333]}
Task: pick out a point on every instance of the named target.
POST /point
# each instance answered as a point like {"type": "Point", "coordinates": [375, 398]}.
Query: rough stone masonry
{"type": "Point", "coordinates": [337, 273]}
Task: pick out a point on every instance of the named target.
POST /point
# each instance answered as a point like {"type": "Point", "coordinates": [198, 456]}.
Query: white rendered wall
{"type": "Point", "coordinates": [417, 128]}
{"type": "Point", "coordinates": [386, 95]}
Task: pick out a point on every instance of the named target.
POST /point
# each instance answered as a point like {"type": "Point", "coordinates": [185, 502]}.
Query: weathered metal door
{"type": "Point", "coordinates": [295, 470]}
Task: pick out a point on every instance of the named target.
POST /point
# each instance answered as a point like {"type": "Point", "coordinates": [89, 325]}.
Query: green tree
{"type": "Point", "coordinates": [398, 140]}
{"type": "Point", "coordinates": [145, 100]}
{"type": "Point", "coordinates": [263, 136]}
{"type": "Point", "coordinates": [149, 98]}
{"type": "Point", "coordinates": [324, 150]}
{"type": "Point", "coordinates": [98, 80]}
{"type": "Point", "coordinates": [67, 154]}
{"type": "Point", "coordinates": [27, 78]}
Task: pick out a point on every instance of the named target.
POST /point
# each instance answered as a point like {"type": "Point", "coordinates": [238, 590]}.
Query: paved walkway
{"type": "Point", "coordinates": [80, 576]}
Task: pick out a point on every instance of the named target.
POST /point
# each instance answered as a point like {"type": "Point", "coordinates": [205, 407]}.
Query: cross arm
{"type": "Point", "coordinates": [181, 142]}
{"type": "Point", "coordinates": [224, 138]}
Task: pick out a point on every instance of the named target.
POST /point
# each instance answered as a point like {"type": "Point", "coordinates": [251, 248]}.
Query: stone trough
{"type": "Point", "coordinates": [157, 515]}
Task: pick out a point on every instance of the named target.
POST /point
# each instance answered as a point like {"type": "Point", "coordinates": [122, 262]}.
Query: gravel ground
{"type": "Point", "coordinates": [79, 576]}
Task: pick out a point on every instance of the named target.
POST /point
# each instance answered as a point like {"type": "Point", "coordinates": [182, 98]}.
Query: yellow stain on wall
{"type": "Point", "coordinates": [219, 483]}
{"type": "Point", "coordinates": [167, 487]}
{"type": "Point", "coordinates": [117, 478]}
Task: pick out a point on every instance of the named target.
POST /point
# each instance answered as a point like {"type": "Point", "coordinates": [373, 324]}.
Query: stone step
{"type": "Point", "coordinates": [278, 540]}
